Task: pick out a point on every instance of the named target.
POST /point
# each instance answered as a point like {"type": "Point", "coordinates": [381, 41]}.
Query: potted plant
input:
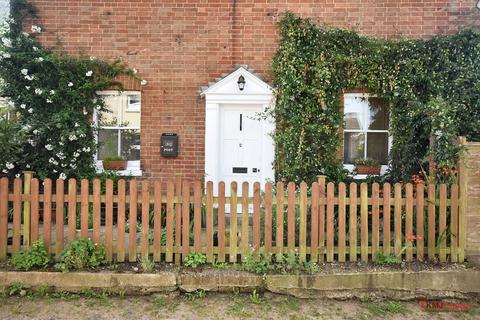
{"type": "Point", "coordinates": [114, 163]}
{"type": "Point", "coordinates": [367, 166]}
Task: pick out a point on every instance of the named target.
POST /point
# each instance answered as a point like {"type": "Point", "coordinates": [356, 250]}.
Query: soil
{"type": "Point", "coordinates": [213, 306]}
{"type": "Point", "coordinates": [324, 268]}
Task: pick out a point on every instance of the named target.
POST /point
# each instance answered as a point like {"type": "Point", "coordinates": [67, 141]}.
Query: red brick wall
{"type": "Point", "coordinates": [181, 45]}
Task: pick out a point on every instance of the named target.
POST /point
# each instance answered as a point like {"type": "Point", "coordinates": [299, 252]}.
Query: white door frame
{"type": "Point", "coordinates": [226, 93]}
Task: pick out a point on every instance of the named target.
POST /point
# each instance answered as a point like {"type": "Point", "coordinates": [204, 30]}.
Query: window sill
{"type": "Point", "coordinates": [133, 169]}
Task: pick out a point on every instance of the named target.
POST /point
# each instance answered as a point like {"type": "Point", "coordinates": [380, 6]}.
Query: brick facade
{"type": "Point", "coordinates": [180, 45]}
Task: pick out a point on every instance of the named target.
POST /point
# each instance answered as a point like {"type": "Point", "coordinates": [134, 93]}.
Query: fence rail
{"type": "Point", "coordinates": [320, 222]}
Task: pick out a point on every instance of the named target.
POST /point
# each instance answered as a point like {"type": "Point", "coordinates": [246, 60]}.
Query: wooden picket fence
{"type": "Point", "coordinates": [321, 222]}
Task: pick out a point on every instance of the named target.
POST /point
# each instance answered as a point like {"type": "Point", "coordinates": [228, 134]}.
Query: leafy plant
{"type": "Point", "coordinates": [382, 259]}
{"type": "Point", "coordinates": [81, 254]}
{"type": "Point", "coordinates": [257, 262]}
{"type": "Point", "coordinates": [34, 257]}
{"type": "Point", "coordinates": [194, 260]}
{"type": "Point", "coordinates": [367, 162]}
{"type": "Point", "coordinates": [386, 308]}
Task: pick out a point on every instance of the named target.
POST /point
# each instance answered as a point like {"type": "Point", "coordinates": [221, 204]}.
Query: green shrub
{"type": "Point", "coordinates": [34, 257]}
{"type": "Point", "coordinates": [81, 254]}
{"type": "Point", "coordinates": [194, 260]}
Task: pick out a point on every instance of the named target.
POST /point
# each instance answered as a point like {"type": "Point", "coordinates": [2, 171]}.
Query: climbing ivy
{"type": "Point", "coordinates": [53, 96]}
{"type": "Point", "coordinates": [432, 87]}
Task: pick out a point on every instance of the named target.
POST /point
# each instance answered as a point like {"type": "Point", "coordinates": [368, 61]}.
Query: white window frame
{"type": "Point", "coordinates": [133, 167]}
{"type": "Point", "coordinates": [350, 166]}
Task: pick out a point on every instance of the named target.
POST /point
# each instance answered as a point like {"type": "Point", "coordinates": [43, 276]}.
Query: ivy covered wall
{"type": "Point", "coordinates": [432, 86]}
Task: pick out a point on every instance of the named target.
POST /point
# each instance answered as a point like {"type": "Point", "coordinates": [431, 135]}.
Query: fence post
{"type": "Point", "coordinates": [27, 180]}
{"type": "Point", "coordinates": [462, 184]}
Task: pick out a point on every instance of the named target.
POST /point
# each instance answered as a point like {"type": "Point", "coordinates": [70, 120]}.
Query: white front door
{"type": "Point", "coordinates": [241, 135]}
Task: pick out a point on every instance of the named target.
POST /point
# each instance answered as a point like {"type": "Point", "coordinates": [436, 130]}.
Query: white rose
{"type": "Point", "coordinates": [23, 106]}
{"type": "Point", "coordinates": [7, 42]}
{"type": "Point", "coordinates": [49, 147]}
{"type": "Point", "coordinates": [38, 91]}
{"type": "Point", "coordinates": [30, 110]}
{"type": "Point", "coordinates": [24, 71]}
{"type": "Point", "coordinates": [36, 29]}
{"type": "Point", "coordinates": [29, 78]}
{"type": "Point", "coordinates": [89, 73]}
{"type": "Point", "coordinates": [63, 176]}
{"type": "Point", "coordinates": [70, 84]}
{"type": "Point", "coordinates": [49, 101]}
{"type": "Point", "coordinates": [7, 55]}
{"type": "Point", "coordinates": [9, 165]}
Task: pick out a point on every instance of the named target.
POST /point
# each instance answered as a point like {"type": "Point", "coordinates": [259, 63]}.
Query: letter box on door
{"type": "Point", "coordinates": [169, 145]}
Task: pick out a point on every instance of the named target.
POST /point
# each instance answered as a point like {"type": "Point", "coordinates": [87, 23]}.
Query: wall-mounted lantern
{"type": "Point", "coordinates": [241, 83]}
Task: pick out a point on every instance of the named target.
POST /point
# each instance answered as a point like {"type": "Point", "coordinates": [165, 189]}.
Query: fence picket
{"type": "Point", "coordinates": [352, 226]}
{"type": "Point", "coordinates": [375, 219]}
{"type": "Point", "coordinates": [221, 222]}
{"type": "Point", "coordinates": [330, 220]}
{"type": "Point", "coordinates": [280, 197]}
{"type": "Point", "coordinates": [341, 222]}
{"type": "Point", "coordinates": [157, 220]}
{"type": "Point", "coordinates": [303, 222]}
{"type": "Point", "coordinates": [443, 223]}
{"type": "Point", "coordinates": [314, 223]}
{"type": "Point", "coordinates": [185, 219]}
{"type": "Point", "coordinates": [321, 218]}
{"type": "Point", "coordinates": [268, 216]}
{"type": "Point", "coordinates": [409, 222]}
{"type": "Point", "coordinates": [34, 210]}
{"type": "Point", "coordinates": [17, 214]}
{"type": "Point", "coordinates": [169, 221]}
{"type": "Point", "coordinates": [398, 219]}
{"type": "Point", "coordinates": [47, 214]}
{"type": "Point", "coordinates": [431, 222]}
{"type": "Point", "coordinates": [197, 216]}
{"type": "Point", "coordinates": [109, 219]}
{"type": "Point", "coordinates": [72, 208]}
{"type": "Point", "coordinates": [364, 221]}
{"type": "Point", "coordinates": [209, 231]}
{"type": "Point", "coordinates": [386, 218]}
{"type": "Point", "coordinates": [245, 222]}
{"type": "Point", "coordinates": [3, 218]}
{"type": "Point", "coordinates": [454, 224]}
{"type": "Point", "coordinates": [59, 223]}
{"type": "Point", "coordinates": [256, 216]}
{"type": "Point", "coordinates": [132, 219]}
{"type": "Point", "coordinates": [84, 208]}
{"type": "Point", "coordinates": [178, 219]}
{"type": "Point", "coordinates": [233, 222]}
{"type": "Point", "coordinates": [121, 221]}
{"type": "Point", "coordinates": [145, 220]}
{"type": "Point", "coordinates": [291, 217]}
{"type": "Point", "coordinates": [419, 223]}
{"type": "Point", "coordinates": [96, 210]}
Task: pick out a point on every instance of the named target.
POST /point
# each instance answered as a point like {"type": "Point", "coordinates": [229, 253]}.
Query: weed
{"type": "Point", "coordinates": [81, 254]}
{"type": "Point", "coordinates": [382, 259]}
{"type": "Point", "coordinates": [257, 262]}
{"type": "Point", "coordinates": [19, 289]}
{"type": "Point", "coordinates": [34, 257]}
{"type": "Point", "coordinates": [256, 298]}
{"type": "Point", "coordinates": [292, 303]}
{"type": "Point", "coordinates": [198, 294]}
{"type": "Point", "coordinates": [194, 260]}
{"type": "Point", "coordinates": [147, 265]}
{"type": "Point", "coordinates": [239, 307]}
{"type": "Point", "coordinates": [386, 308]}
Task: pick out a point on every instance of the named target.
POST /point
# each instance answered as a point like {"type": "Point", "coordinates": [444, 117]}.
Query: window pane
{"type": "Point", "coordinates": [130, 144]}
{"type": "Point", "coordinates": [111, 117]}
{"type": "Point", "coordinates": [354, 146]}
{"type": "Point", "coordinates": [129, 119]}
{"type": "Point", "coordinates": [133, 102]}
{"type": "Point", "coordinates": [107, 143]}
{"type": "Point", "coordinates": [354, 109]}
{"type": "Point", "coordinates": [378, 114]}
{"type": "Point", "coordinates": [377, 147]}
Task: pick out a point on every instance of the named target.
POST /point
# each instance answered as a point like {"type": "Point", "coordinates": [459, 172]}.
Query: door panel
{"type": "Point", "coordinates": [240, 146]}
